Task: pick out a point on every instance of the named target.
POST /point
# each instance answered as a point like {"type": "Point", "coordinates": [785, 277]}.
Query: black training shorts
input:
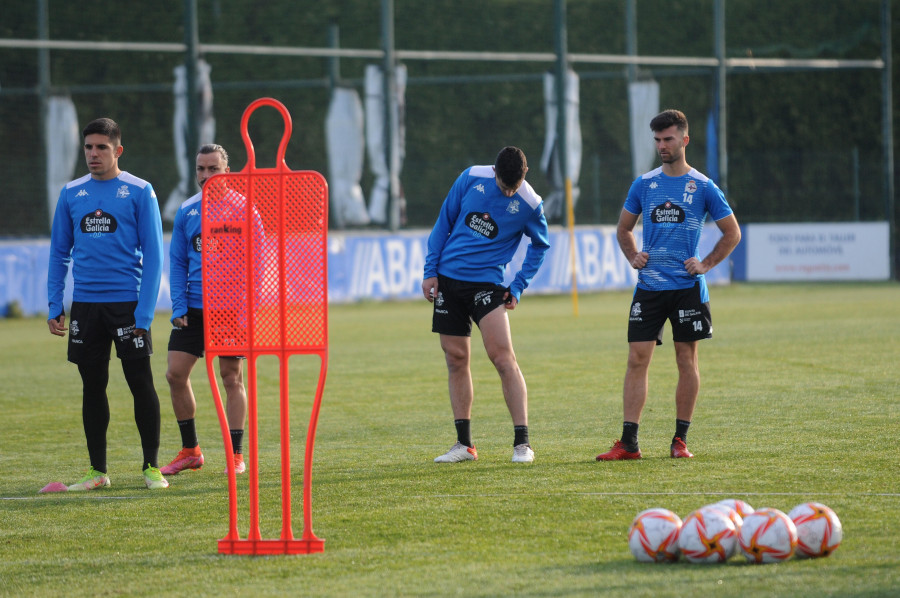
{"type": "Point", "coordinates": [460, 303]}
{"type": "Point", "coordinates": [94, 327]}
{"type": "Point", "coordinates": [190, 339]}
{"type": "Point", "coordinates": [691, 319]}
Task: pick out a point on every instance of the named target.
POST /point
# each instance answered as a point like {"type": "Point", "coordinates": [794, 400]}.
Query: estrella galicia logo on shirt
{"type": "Point", "coordinates": [667, 213]}
{"type": "Point", "coordinates": [197, 243]}
{"type": "Point", "coordinates": [98, 222]}
{"type": "Point", "coordinates": [482, 224]}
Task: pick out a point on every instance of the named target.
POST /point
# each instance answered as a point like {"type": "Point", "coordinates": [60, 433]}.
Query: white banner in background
{"type": "Point", "coordinates": [643, 105]}
{"type": "Point", "coordinates": [555, 198]}
{"type": "Point", "coordinates": [818, 251]}
{"type": "Point", "coordinates": [346, 154]}
{"type": "Point", "coordinates": [378, 154]}
{"type": "Point", "coordinates": [63, 142]}
{"type": "Point", "coordinates": [207, 132]}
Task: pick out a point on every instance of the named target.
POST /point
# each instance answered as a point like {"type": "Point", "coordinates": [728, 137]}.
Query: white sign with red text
{"type": "Point", "coordinates": [817, 251]}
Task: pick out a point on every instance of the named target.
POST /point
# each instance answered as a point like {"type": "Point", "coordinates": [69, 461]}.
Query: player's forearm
{"type": "Point", "coordinates": [627, 243]}
{"type": "Point", "coordinates": [722, 249]}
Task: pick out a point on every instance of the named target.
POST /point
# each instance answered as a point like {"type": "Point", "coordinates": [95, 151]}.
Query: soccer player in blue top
{"type": "Point", "coordinates": [480, 225]}
{"type": "Point", "coordinates": [673, 201]}
{"type": "Point", "coordinates": [107, 225]}
{"type": "Point", "coordinates": [186, 342]}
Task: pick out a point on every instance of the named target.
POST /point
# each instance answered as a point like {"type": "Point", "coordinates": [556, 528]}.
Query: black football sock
{"type": "Point", "coordinates": [521, 435]}
{"type": "Point", "coordinates": [681, 430]}
{"type": "Point", "coordinates": [463, 431]}
{"type": "Point", "coordinates": [630, 436]}
{"type": "Point", "coordinates": [188, 433]}
{"type": "Point", "coordinates": [237, 438]}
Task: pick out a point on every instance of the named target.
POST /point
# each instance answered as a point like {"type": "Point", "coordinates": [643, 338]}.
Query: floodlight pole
{"type": "Point", "coordinates": [887, 132]}
{"type": "Point", "coordinates": [631, 68]}
{"type": "Point", "coordinates": [562, 142]}
{"type": "Point", "coordinates": [562, 60]}
{"type": "Point", "coordinates": [191, 56]}
{"type": "Point", "coordinates": [721, 97]}
{"type": "Point", "coordinates": [43, 94]}
{"type": "Point", "coordinates": [334, 62]}
{"type": "Point", "coordinates": [389, 80]}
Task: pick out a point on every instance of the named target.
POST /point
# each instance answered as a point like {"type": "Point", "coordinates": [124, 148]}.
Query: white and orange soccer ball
{"type": "Point", "coordinates": [707, 536]}
{"type": "Point", "coordinates": [742, 508]}
{"type": "Point", "coordinates": [735, 518]}
{"type": "Point", "coordinates": [653, 536]}
{"type": "Point", "coordinates": [768, 536]}
{"type": "Point", "coordinates": [819, 531]}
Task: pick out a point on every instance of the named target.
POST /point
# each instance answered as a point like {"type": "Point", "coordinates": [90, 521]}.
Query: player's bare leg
{"type": "Point", "coordinates": [685, 395]}
{"type": "Point", "coordinates": [688, 380]}
{"type": "Point", "coordinates": [498, 343]}
{"type": "Point", "coordinates": [231, 371]}
{"type": "Point", "coordinates": [457, 354]}
{"type": "Point", "coordinates": [634, 397]}
{"type": "Point", "coordinates": [178, 375]}
{"type": "Point", "coordinates": [634, 391]}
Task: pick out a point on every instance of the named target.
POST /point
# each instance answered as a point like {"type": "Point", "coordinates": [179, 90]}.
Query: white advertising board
{"type": "Point", "coordinates": [817, 251]}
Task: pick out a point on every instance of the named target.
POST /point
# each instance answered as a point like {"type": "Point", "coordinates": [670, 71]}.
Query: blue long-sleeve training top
{"type": "Point", "coordinates": [185, 249]}
{"type": "Point", "coordinates": [111, 232]}
{"type": "Point", "coordinates": [479, 229]}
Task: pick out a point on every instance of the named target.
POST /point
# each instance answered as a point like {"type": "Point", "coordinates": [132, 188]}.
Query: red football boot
{"type": "Point", "coordinates": [619, 452]}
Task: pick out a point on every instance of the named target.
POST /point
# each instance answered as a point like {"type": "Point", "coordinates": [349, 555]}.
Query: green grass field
{"type": "Point", "coordinates": [799, 402]}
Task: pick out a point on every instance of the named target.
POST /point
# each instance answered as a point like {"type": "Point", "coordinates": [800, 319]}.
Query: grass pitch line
{"type": "Point", "coordinates": [80, 496]}
{"type": "Point", "coordinates": [722, 494]}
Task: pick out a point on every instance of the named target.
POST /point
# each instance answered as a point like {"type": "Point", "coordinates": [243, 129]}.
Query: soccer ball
{"type": "Point", "coordinates": [707, 536]}
{"type": "Point", "coordinates": [735, 518]}
{"type": "Point", "coordinates": [768, 536]}
{"type": "Point", "coordinates": [730, 512]}
{"type": "Point", "coordinates": [742, 508]}
{"type": "Point", "coordinates": [819, 530]}
{"type": "Point", "coordinates": [653, 536]}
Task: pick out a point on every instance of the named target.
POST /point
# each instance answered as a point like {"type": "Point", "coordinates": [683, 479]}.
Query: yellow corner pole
{"type": "Point", "coordinates": [570, 213]}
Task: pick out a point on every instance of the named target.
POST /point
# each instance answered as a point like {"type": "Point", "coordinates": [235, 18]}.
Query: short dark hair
{"type": "Point", "coordinates": [212, 148]}
{"type": "Point", "coordinates": [669, 118]}
{"type": "Point", "coordinates": [103, 126]}
{"type": "Point", "coordinates": [511, 165]}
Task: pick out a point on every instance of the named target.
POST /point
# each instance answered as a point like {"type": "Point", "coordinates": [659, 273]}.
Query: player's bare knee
{"type": "Point", "coordinates": [687, 362]}
{"type": "Point", "coordinates": [505, 364]}
{"type": "Point", "coordinates": [176, 379]}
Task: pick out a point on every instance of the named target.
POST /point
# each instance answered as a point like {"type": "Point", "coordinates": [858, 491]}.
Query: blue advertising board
{"type": "Point", "coordinates": [377, 266]}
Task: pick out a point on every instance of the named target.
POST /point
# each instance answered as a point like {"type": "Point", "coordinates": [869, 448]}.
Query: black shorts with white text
{"type": "Point", "coordinates": [459, 303]}
{"type": "Point", "coordinates": [690, 317]}
{"type": "Point", "coordinates": [95, 327]}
